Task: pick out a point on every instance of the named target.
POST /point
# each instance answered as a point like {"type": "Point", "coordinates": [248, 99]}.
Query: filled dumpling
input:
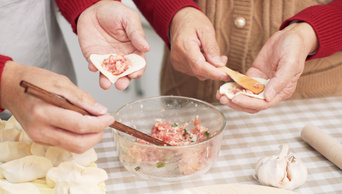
{"type": "Point", "coordinates": [12, 123]}
{"type": "Point", "coordinates": [16, 188]}
{"type": "Point", "coordinates": [11, 150]}
{"type": "Point", "coordinates": [73, 172]}
{"type": "Point", "coordinates": [9, 135]}
{"type": "Point", "coordinates": [76, 188]}
{"type": "Point", "coordinates": [25, 169]}
{"type": "Point", "coordinates": [58, 155]}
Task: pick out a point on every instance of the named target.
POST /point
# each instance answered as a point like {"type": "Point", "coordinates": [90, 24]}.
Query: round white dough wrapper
{"type": "Point", "coordinates": [137, 63]}
{"type": "Point", "coordinates": [227, 89]}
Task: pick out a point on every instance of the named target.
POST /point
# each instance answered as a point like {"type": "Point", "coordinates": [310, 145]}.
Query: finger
{"type": "Point", "coordinates": [136, 33]}
{"type": "Point", "coordinates": [228, 102]}
{"type": "Point", "coordinates": [283, 76]}
{"type": "Point", "coordinates": [73, 121]}
{"type": "Point", "coordinates": [200, 67]}
{"type": "Point", "coordinates": [78, 97]}
{"type": "Point", "coordinates": [76, 143]}
{"type": "Point", "coordinates": [92, 67]}
{"type": "Point", "coordinates": [122, 83]}
{"type": "Point", "coordinates": [247, 102]}
{"type": "Point", "coordinates": [104, 82]}
{"type": "Point", "coordinates": [210, 47]}
{"type": "Point", "coordinates": [137, 74]}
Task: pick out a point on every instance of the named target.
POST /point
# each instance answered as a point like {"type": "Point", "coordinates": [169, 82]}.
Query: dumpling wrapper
{"type": "Point", "coordinates": [26, 169]}
{"type": "Point", "coordinates": [73, 172]}
{"type": "Point", "coordinates": [137, 63]}
{"type": "Point", "coordinates": [226, 88]}
{"type": "Point", "coordinates": [15, 188]}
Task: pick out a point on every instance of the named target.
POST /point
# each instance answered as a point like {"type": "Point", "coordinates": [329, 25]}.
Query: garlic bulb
{"type": "Point", "coordinates": [285, 171]}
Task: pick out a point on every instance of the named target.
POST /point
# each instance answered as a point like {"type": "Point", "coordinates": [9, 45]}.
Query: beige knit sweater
{"type": "Point", "coordinates": [321, 77]}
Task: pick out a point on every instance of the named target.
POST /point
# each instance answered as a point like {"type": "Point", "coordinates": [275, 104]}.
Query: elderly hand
{"type": "Point", "coordinates": [46, 123]}
{"type": "Point", "coordinates": [281, 60]}
{"type": "Point", "coordinates": [111, 27]}
{"type": "Point", "coordinates": [194, 49]}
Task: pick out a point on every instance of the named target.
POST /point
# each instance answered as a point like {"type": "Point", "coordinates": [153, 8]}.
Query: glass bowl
{"type": "Point", "coordinates": [168, 163]}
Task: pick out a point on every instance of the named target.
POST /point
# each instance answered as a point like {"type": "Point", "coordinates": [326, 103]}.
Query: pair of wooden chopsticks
{"type": "Point", "coordinates": [59, 101]}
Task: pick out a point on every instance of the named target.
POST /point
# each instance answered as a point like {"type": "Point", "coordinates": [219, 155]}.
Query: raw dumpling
{"type": "Point", "coordinates": [232, 89]}
{"type": "Point", "coordinates": [23, 137]}
{"type": "Point", "coordinates": [2, 124]}
{"type": "Point", "coordinates": [58, 155]}
{"type": "Point", "coordinates": [9, 135]}
{"type": "Point", "coordinates": [15, 188]}
{"type": "Point", "coordinates": [76, 188]}
{"type": "Point", "coordinates": [73, 172]}
{"type": "Point", "coordinates": [12, 123]}
{"type": "Point", "coordinates": [39, 149]}
{"type": "Point", "coordinates": [26, 169]}
{"type": "Point", "coordinates": [11, 150]}
{"type": "Point", "coordinates": [137, 63]}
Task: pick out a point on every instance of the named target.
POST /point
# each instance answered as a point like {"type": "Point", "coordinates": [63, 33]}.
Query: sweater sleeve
{"type": "Point", "coordinates": [326, 20]}
{"type": "Point", "coordinates": [159, 13]}
{"type": "Point", "coordinates": [3, 60]}
{"type": "Point", "coordinates": [71, 9]}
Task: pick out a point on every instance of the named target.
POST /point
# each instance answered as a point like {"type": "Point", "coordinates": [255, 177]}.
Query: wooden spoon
{"type": "Point", "coordinates": [244, 81]}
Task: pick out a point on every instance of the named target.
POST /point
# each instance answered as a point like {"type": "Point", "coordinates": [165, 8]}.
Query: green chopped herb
{"type": "Point", "coordinates": [185, 132]}
{"type": "Point", "coordinates": [175, 125]}
{"type": "Point", "coordinates": [207, 134]}
{"type": "Point", "coordinates": [137, 168]}
{"type": "Point", "coordinates": [160, 164]}
{"type": "Point", "coordinates": [190, 137]}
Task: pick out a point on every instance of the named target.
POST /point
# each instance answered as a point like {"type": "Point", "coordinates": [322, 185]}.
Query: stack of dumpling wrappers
{"type": "Point", "coordinates": [28, 167]}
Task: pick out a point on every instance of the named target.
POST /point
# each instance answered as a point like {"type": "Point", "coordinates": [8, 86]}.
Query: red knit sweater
{"type": "Point", "coordinates": [325, 19]}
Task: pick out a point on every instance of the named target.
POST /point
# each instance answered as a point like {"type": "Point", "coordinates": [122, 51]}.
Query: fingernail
{"type": "Point", "coordinates": [270, 95]}
{"type": "Point", "coordinates": [218, 61]}
{"type": "Point", "coordinates": [111, 121]}
{"type": "Point", "coordinates": [100, 108]}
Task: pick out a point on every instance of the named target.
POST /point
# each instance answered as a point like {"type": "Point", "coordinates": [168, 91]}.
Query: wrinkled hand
{"type": "Point", "coordinates": [281, 60]}
{"type": "Point", "coordinates": [46, 123]}
{"type": "Point", "coordinates": [111, 27]}
{"type": "Point", "coordinates": [194, 49]}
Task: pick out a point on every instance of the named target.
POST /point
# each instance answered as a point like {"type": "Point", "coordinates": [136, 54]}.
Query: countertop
{"type": "Point", "coordinates": [247, 138]}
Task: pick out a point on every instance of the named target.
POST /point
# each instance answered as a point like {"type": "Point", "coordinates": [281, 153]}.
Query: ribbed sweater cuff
{"type": "Point", "coordinates": [3, 60]}
{"type": "Point", "coordinates": [326, 20]}
{"type": "Point", "coordinates": [71, 10]}
{"type": "Point", "coordinates": [164, 12]}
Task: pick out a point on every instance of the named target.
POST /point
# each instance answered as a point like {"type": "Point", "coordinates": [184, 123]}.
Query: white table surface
{"type": "Point", "coordinates": [247, 138]}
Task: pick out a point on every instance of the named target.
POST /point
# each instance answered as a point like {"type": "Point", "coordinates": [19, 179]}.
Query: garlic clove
{"type": "Point", "coordinates": [297, 173]}
{"type": "Point", "coordinates": [284, 171]}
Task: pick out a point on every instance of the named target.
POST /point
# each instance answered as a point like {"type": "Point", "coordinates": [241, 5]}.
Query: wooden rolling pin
{"type": "Point", "coordinates": [323, 143]}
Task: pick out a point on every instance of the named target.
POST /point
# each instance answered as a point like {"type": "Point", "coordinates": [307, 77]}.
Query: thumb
{"type": "Point", "coordinates": [284, 76]}
{"type": "Point", "coordinates": [211, 49]}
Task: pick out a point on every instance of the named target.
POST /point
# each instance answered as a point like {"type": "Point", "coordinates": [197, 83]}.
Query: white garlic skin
{"type": "Point", "coordinates": [283, 171]}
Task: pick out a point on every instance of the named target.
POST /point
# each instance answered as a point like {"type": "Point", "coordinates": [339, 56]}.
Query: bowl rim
{"type": "Point", "coordinates": [180, 97]}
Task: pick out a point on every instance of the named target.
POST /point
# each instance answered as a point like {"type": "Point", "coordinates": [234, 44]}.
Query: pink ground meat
{"type": "Point", "coordinates": [116, 64]}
